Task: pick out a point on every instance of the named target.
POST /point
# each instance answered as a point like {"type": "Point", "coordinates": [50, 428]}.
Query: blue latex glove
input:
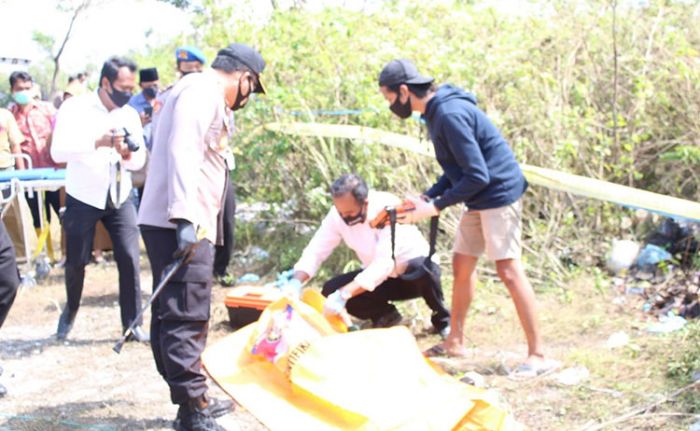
{"type": "Point", "coordinates": [291, 288]}
{"type": "Point", "coordinates": [186, 240]}
{"type": "Point", "coordinates": [335, 303]}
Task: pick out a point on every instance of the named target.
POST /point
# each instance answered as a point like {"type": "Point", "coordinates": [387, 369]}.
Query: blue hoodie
{"type": "Point", "coordinates": [479, 166]}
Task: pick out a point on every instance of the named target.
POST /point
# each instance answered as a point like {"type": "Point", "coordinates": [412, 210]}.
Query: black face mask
{"type": "Point", "coordinates": [238, 103]}
{"type": "Point", "coordinates": [120, 98]}
{"type": "Point", "coordinates": [150, 92]}
{"type": "Point", "coordinates": [402, 110]}
{"type": "Point", "coordinates": [355, 219]}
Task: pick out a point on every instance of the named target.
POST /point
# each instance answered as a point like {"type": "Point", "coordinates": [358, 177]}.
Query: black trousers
{"type": "Point", "coordinates": [51, 200]}
{"type": "Point", "coordinates": [9, 274]}
{"type": "Point", "coordinates": [180, 314]}
{"type": "Point", "coordinates": [79, 223]}
{"type": "Point", "coordinates": [225, 251]}
{"type": "Point", "coordinates": [375, 304]}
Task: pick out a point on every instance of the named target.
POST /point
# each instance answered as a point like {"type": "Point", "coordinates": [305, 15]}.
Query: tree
{"type": "Point", "coordinates": [47, 42]}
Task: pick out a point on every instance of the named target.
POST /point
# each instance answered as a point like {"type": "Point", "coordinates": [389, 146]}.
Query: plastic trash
{"type": "Point", "coordinates": [259, 254]}
{"type": "Point", "coordinates": [473, 378]}
{"type": "Point", "coordinates": [622, 255]}
{"type": "Point", "coordinates": [618, 300]}
{"type": "Point", "coordinates": [651, 255]}
{"type": "Point", "coordinates": [634, 291]}
{"type": "Point", "coordinates": [666, 324]}
{"type": "Point", "coordinates": [696, 376]}
{"type": "Point", "coordinates": [617, 339]}
{"type": "Point", "coordinates": [572, 376]}
{"type": "Point", "coordinates": [249, 278]}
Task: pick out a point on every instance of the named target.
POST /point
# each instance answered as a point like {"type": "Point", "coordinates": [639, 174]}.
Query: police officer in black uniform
{"type": "Point", "coordinates": [180, 218]}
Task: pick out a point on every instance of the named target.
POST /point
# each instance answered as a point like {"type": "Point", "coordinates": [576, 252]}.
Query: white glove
{"type": "Point", "coordinates": [292, 288]}
{"type": "Point", "coordinates": [335, 303]}
{"type": "Point", "coordinates": [424, 210]}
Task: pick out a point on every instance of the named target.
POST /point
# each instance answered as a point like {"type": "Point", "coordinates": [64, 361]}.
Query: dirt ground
{"type": "Point", "coordinates": [83, 384]}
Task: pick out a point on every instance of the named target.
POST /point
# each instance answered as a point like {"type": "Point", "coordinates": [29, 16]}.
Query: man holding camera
{"type": "Point", "coordinates": [101, 140]}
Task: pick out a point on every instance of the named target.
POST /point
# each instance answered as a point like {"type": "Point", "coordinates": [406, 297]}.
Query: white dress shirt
{"type": "Point", "coordinates": [372, 246]}
{"type": "Point", "coordinates": [92, 172]}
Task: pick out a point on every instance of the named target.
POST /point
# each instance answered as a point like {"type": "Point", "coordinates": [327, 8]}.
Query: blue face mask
{"type": "Point", "coordinates": [22, 97]}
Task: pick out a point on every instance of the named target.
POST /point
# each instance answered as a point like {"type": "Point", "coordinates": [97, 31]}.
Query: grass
{"type": "Point", "coordinates": [576, 325]}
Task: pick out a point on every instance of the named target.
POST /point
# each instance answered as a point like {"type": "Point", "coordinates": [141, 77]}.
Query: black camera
{"type": "Point", "coordinates": [131, 145]}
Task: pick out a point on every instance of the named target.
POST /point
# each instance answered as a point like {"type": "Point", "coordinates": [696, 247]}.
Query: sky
{"type": "Point", "coordinates": [114, 27]}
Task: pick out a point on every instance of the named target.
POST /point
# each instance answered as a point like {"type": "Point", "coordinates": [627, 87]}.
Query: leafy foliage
{"type": "Point", "coordinates": [545, 74]}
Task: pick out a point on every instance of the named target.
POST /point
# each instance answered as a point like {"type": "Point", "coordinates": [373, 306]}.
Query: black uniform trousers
{"type": "Point", "coordinates": [79, 223]}
{"type": "Point", "coordinates": [51, 200]}
{"type": "Point", "coordinates": [180, 314]}
{"type": "Point", "coordinates": [225, 251]}
{"type": "Point", "coordinates": [9, 274]}
{"type": "Point", "coordinates": [375, 304]}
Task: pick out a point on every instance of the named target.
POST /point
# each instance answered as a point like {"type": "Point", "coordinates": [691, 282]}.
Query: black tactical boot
{"type": "Point", "coordinates": [196, 416]}
{"type": "Point", "coordinates": [217, 408]}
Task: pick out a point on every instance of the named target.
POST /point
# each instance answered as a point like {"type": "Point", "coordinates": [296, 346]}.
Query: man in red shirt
{"type": "Point", "coordinates": [35, 119]}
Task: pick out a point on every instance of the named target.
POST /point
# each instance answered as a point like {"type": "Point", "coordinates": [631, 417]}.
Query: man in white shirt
{"type": "Point", "coordinates": [367, 292]}
{"type": "Point", "coordinates": [91, 137]}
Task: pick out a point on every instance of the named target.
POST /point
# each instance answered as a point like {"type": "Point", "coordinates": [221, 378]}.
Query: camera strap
{"type": "Point", "coordinates": [433, 233]}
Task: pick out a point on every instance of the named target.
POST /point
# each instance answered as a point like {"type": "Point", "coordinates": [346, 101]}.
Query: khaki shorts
{"type": "Point", "coordinates": [496, 231]}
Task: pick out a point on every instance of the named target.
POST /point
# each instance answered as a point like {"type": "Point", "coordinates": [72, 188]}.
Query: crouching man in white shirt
{"type": "Point", "coordinates": [90, 136]}
{"type": "Point", "coordinates": [366, 293]}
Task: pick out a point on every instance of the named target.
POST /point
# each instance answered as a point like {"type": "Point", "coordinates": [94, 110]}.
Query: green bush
{"type": "Point", "coordinates": [547, 79]}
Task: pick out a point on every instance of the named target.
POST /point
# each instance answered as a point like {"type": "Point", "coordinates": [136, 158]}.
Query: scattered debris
{"type": "Point", "coordinates": [696, 376]}
{"type": "Point", "coordinates": [622, 255]}
{"type": "Point", "coordinates": [666, 324]}
{"type": "Point", "coordinates": [249, 278]}
{"type": "Point", "coordinates": [663, 273]}
{"type": "Point", "coordinates": [473, 378]}
{"type": "Point", "coordinates": [652, 255]}
{"type": "Point", "coordinates": [640, 410]}
{"type": "Point", "coordinates": [572, 376]}
{"type": "Point", "coordinates": [617, 339]}
{"type": "Point", "coordinates": [619, 300]}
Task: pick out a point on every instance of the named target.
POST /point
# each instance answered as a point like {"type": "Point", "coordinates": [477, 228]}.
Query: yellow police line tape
{"type": "Point", "coordinates": [578, 185]}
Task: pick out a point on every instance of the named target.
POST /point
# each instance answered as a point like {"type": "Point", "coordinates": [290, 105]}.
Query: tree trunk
{"type": "Point", "coordinates": [57, 57]}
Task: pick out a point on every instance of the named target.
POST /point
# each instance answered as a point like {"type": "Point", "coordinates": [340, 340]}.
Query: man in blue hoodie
{"type": "Point", "coordinates": [480, 171]}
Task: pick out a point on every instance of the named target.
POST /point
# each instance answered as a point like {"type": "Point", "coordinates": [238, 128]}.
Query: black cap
{"type": "Point", "coordinates": [402, 72]}
{"type": "Point", "coordinates": [148, 75]}
{"type": "Point", "coordinates": [248, 56]}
